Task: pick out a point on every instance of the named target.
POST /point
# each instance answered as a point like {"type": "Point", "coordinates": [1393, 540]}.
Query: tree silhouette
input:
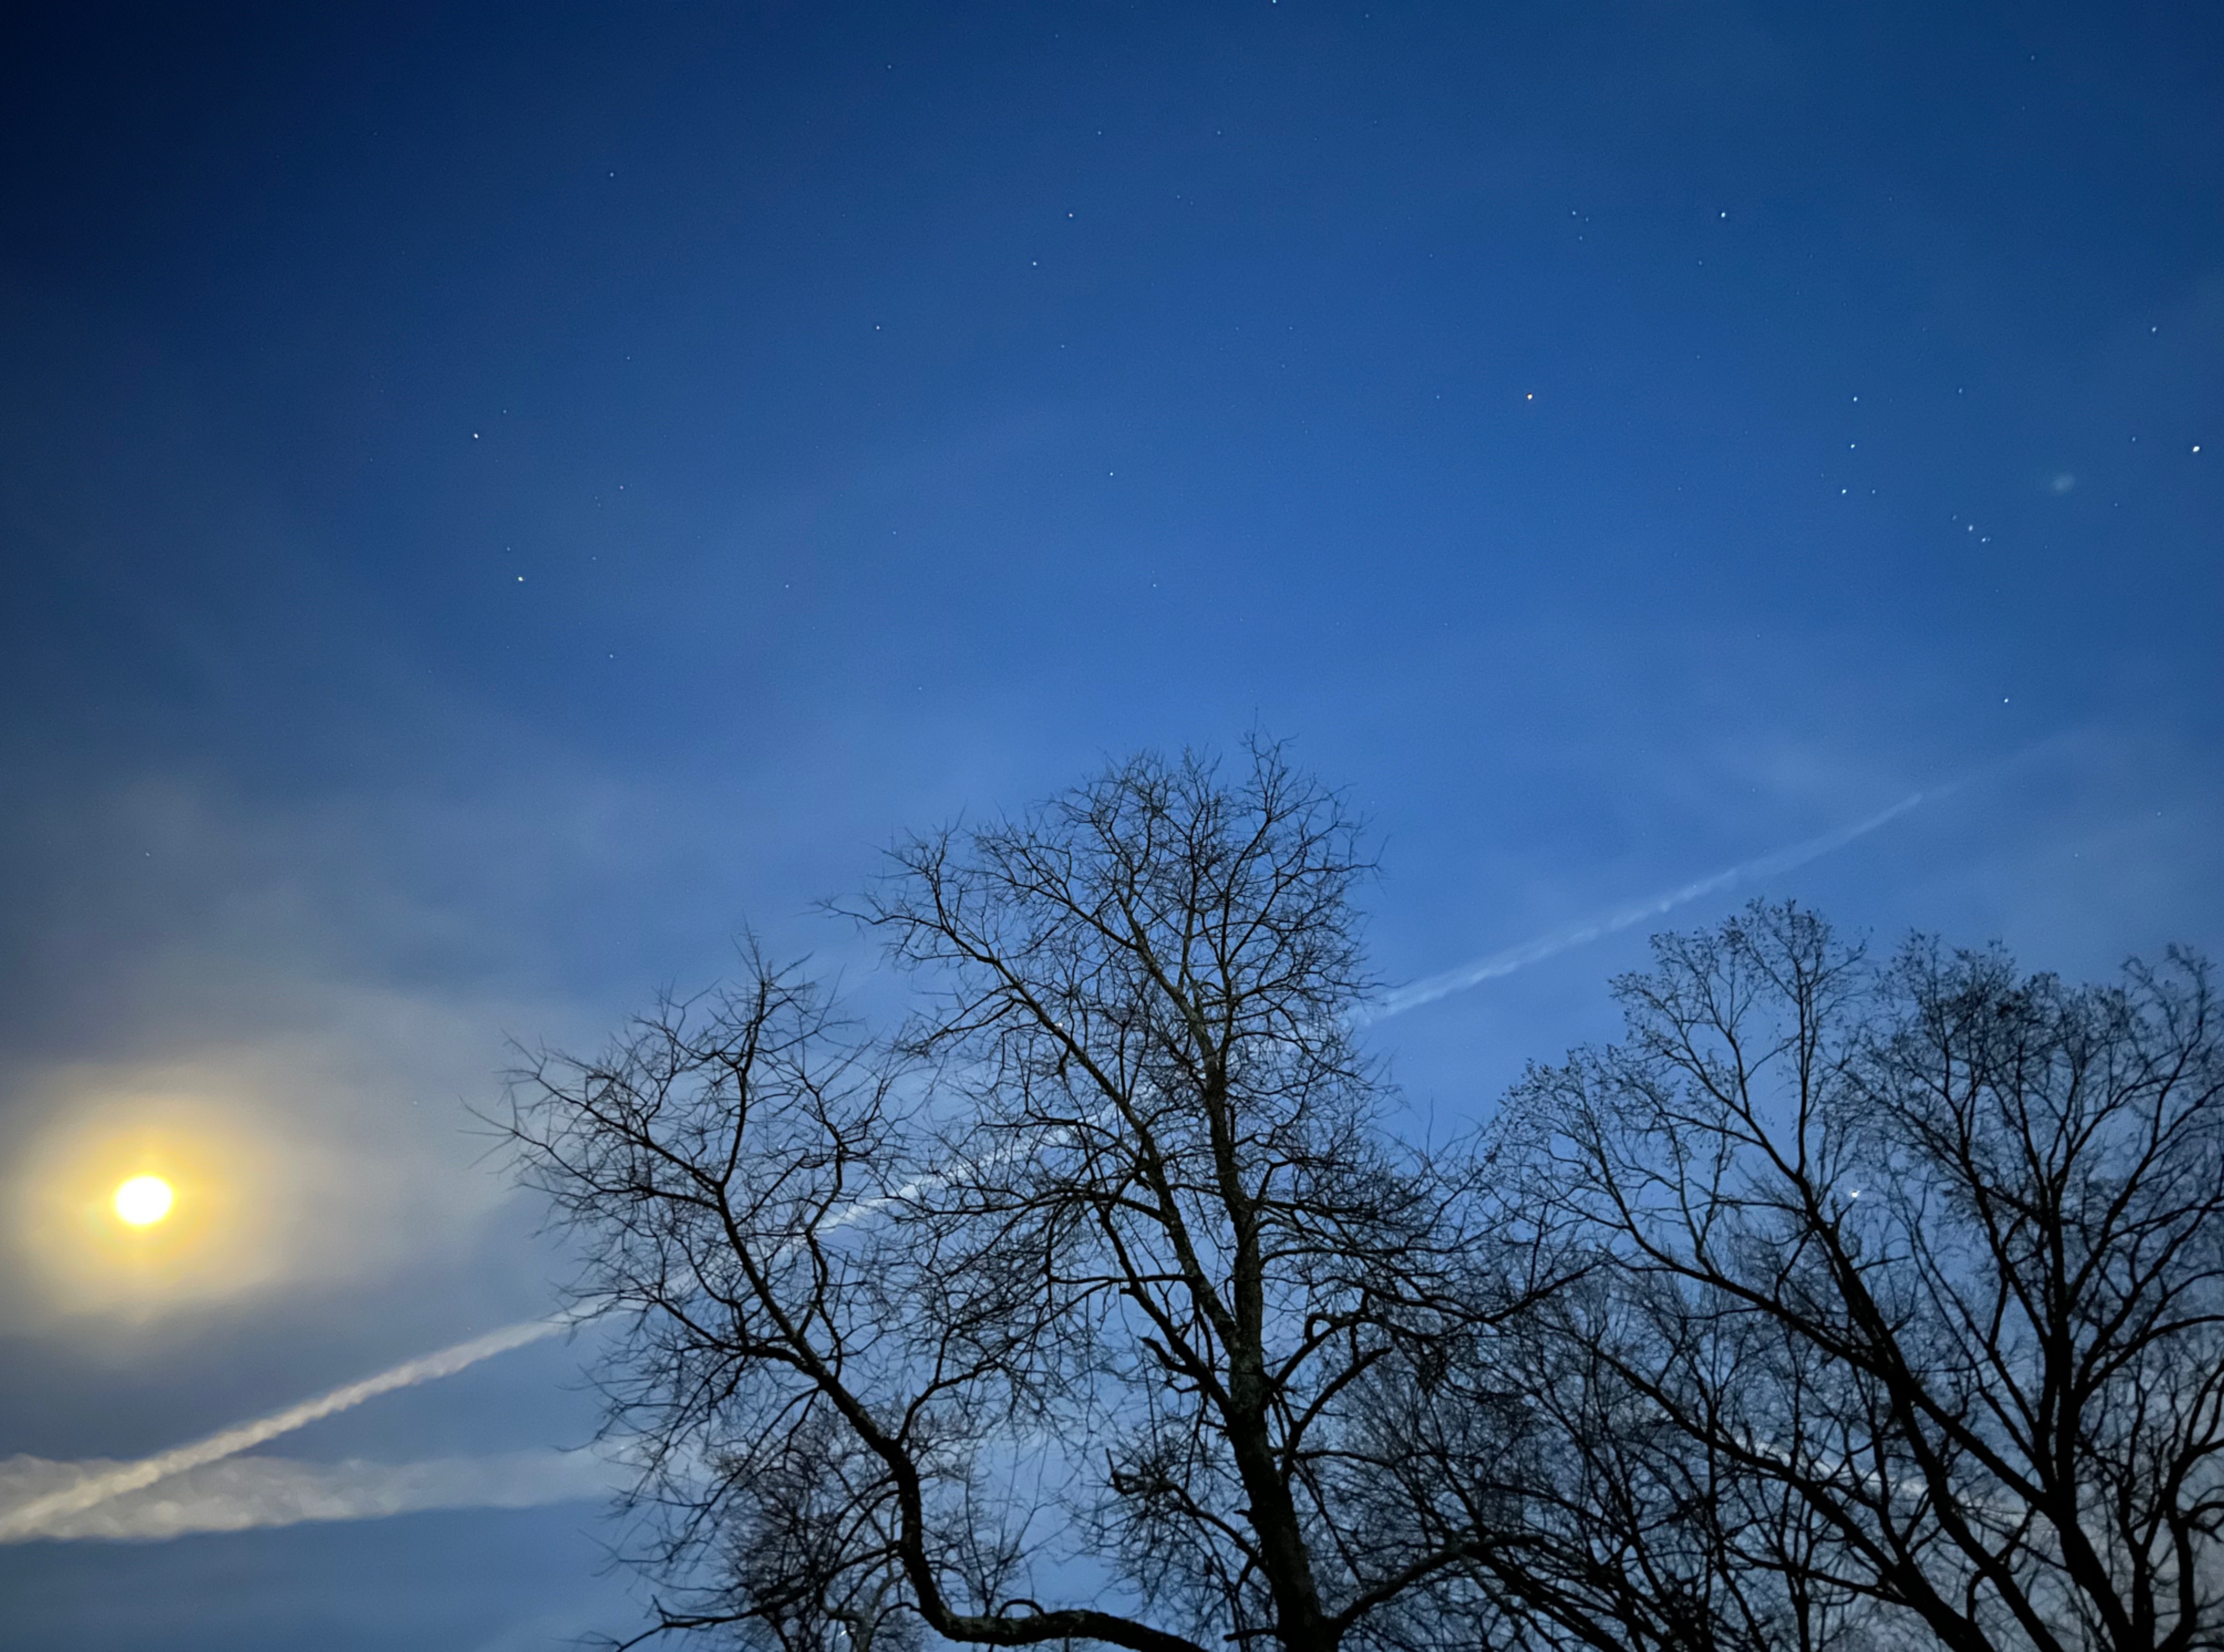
{"type": "Point", "coordinates": [1916, 1276]}
{"type": "Point", "coordinates": [1068, 1314]}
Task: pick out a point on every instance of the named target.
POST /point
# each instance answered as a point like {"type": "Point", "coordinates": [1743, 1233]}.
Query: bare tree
{"type": "Point", "coordinates": [1098, 1305]}
{"type": "Point", "coordinates": [1915, 1273]}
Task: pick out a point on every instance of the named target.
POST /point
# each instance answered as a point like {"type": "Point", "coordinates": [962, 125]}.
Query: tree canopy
{"type": "Point", "coordinates": [1101, 1303]}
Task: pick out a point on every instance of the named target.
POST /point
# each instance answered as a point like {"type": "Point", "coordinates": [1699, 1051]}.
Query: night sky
{"type": "Point", "coordinates": [496, 501]}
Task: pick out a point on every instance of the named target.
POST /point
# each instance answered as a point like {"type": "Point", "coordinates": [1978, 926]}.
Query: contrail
{"type": "Point", "coordinates": [28, 1518]}
{"type": "Point", "coordinates": [1476, 972]}
{"type": "Point", "coordinates": [32, 1519]}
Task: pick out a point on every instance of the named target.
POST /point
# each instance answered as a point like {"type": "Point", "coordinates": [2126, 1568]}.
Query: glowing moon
{"type": "Point", "coordinates": [143, 1200]}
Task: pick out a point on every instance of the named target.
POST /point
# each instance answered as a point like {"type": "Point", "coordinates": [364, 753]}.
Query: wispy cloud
{"type": "Point", "coordinates": [244, 1492]}
{"type": "Point", "coordinates": [44, 1512]}
{"type": "Point", "coordinates": [1496, 964]}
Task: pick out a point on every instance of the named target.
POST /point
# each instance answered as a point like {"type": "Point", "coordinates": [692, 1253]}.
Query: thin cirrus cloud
{"type": "Point", "coordinates": [211, 1486]}
{"type": "Point", "coordinates": [244, 1492]}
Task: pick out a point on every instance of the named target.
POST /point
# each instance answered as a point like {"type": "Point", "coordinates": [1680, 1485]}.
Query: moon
{"type": "Point", "coordinates": [143, 1201]}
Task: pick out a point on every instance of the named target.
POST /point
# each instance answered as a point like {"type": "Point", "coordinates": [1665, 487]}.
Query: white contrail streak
{"type": "Point", "coordinates": [29, 1518]}
{"type": "Point", "coordinates": [1478, 970]}
{"type": "Point", "coordinates": [41, 1515]}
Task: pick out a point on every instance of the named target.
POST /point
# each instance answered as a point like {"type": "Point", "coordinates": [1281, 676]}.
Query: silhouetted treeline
{"type": "Point", "coordinates": [1843, 1302]}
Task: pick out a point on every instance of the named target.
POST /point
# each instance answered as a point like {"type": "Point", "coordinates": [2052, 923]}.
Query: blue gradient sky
{"type": "Point", "coordinates": [495, 499]}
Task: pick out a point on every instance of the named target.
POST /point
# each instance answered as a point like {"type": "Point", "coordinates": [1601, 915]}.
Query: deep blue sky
{"type": "Point", "coordinates": [495, 499]}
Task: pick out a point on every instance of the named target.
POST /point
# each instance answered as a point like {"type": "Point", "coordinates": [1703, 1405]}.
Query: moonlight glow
{"type": "Point", "coordinates": [143, 1200]}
